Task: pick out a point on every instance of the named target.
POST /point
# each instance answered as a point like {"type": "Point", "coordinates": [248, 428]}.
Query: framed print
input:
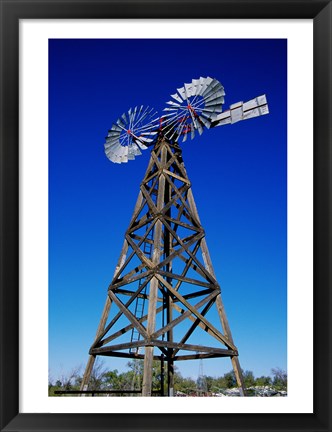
{"type": "Point", "coordinates": [70, 72]}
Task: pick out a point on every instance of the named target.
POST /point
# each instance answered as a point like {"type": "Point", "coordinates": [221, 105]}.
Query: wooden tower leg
{"type": "Point", "coordinates": [238, 375]}
{"type": "Point", "coordinates": [87, 373]}
{"type": "Point", "coordinates": [148, 358]}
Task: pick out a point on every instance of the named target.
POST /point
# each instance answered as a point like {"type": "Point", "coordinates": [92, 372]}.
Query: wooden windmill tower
{"type": "Point", "coordinates": [164, 301]}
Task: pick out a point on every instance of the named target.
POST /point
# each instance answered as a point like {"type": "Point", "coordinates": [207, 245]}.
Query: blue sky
{"type": "Point", "coordinates": [238, 174]}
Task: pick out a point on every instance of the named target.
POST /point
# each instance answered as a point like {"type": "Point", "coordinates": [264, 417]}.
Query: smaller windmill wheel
{"type": "Point", "coordinates": [195, 106]}
{"type": "Point", "coordinates": [132, 132]}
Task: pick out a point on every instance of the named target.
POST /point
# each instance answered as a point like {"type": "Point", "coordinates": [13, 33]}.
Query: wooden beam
{"type": "Point", "coordinates": [197, 314]}
{"type": "Point", "coordinates": [180, 250]}
{"type": "Point", "coordinates": [195, 325]}
{"type": "Point", "coordinates": [202, 356]}
{"type": "Point", "coordinates": [151, 323]}
{"type": "Point", "coordinates": [186, 279]}
{"type": "Point", "coordinates": [172, 174]}
{"type": "Point", "coordinates": [118, 347]}
{"type": "Point", "coordinates": [185, 246]}
{"type": "Point", "coordinates": [182, 317]}
{"type": "Point", "coordinates": [128, 280]}
{"type": "Point", "coordinates": [128, 314]}
{"type": "Point", "coordinates": [118, 315]}
{"type": "Point", "coordinates": [126, 329]}
{"type": "Point", "coordinates": [203, 326]}
{"type": "Point", "coordinates": [196, 348]}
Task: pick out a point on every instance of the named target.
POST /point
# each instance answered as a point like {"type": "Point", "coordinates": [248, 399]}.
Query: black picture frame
{"type": "Point", "coordinates": [14, 10]}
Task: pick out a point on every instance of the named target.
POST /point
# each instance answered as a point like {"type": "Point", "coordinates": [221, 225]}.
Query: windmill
{"type": "Point", "coordinates": [164, 288]}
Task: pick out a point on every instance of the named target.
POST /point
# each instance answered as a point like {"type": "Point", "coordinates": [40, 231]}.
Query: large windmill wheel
{"type": "Point", "coordinates": [132, 132]}
{"type": "Point", "coordinates": [195, 106]}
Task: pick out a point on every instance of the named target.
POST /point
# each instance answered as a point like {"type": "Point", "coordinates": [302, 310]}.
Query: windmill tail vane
{"type": "Point", "coordinates": [194, 107]}
{"type": "Point", "coordinates": [164, 295]}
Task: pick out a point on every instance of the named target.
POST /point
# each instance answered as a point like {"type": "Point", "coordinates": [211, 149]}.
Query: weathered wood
{"type": "Point", "coordinates": [141, 239]}
{"type": "Point", "coordinates": [117, 347]}
{"type": "Point", "coordinates": [203, 326]}
{"type": "Point", "coordinates": [152, 206]}
{"type": "Point", "coordinates": [128, 280]}
{"type": "Point", "coordinates": [147, 374]}
{"type": "Point", "coordinates": [138, 252]}
{"type": "Point", "coordinates": [145, 220]}
{"type": "Point", "coordinates": [185, 314]}
{"type": "Point", "coordinates": [188, 263]}
{"type": "Point", "coordinates": [185, 279]}
{"type": "Point", "coordinates": [172, 174]}
{"type": "Point", "coordinates": [118, 315]}
{"type": "Point", "coordinates": [197, 294]}
{"type": "Point", "coordinates": [183, 224]}
{"type": "Point", "coordinates": [128, 314]}
{"type": "Point", "coordinates": [193, 266]}
{"type": "Point", "coordinates": [126, 329]}
{"type": "Point", "coordinates": [215, 331]}
{"type": "Point", "coordinates": [150, 177]}
{"type": "Point", "coordinates": [180, 250]}
{"type": "Point", "coordinates": [185, 246]}
{"type": "Point", "coordinates": [238, 375]}
{"type": "Point", "coordinates": [196, 348]}
{"type": "Point", "coordinates": [175, 197]}
{"type": "Point", "coordinates": [178, 192]}
{"type": "Point", "coordinates": [201, 356]}
{"type": "Point", "coordinates": [195, 325]}
{"type": "Point", "coordinates": [121, 291]}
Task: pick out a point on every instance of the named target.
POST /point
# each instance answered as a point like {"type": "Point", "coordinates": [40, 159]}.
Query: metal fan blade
{"type": "Point", "coordinates": [211, 83]}
{"type": "Point", "coordinates": [116, 128]}
{"type": "Point", "coordinates": [182, 93]}
{"type": "Point", "coordinates": [216, 95]}
{"type": "Point", "coordinates": [170, 109]}
{"type": "Point", "coordinates": [177, 97]}
{"type": "Point", "coordinates": [199, 128]}
{"type": "Point", "coordinates": [189, 89]}
{"type": "Point", "coordinates": [205, 82]}
{"type": "Point", "coordinates": [140, 144]}
{"type": "Point", "coordinates": [124, 118]}
{"type": "Point", "coordinates": [133, 149]}
{"type": "Point", "coordinates": [173, 103]}
{"type": "Point", "coordinates": [145, 140]}
{"type": "Point", "coordinates": [206, 122]}
{"type": "Point", "coordinates": [219, 101]}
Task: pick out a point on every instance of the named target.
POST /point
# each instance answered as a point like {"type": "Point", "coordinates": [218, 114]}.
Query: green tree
{"type": "Point", "coordinates": [248, 378]}
{"type": "Point", "coordinates": [263, 381]}
{"type": "Point", "coordinates": [279, 379]}
{"type": "Point", "coordinates": [230, 380]}
{"type": "Point", "coordinates": [184, 385]}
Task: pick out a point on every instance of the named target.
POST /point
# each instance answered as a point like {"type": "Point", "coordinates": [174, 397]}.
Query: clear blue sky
{"type": "Point", "coordinates": [238, 174]}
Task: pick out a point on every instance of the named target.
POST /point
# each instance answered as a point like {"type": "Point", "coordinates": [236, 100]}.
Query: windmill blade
{"type": "Point", "coordinates": [195, 108]}
{"type": "Point", "coordinates": [133, 131]}
{"type": "Point", "coordinates": [176, 97]}
{"type": "Point", "coordinates": [242, 111]}
{"type": "Point", "coordinates": [206, 122]}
